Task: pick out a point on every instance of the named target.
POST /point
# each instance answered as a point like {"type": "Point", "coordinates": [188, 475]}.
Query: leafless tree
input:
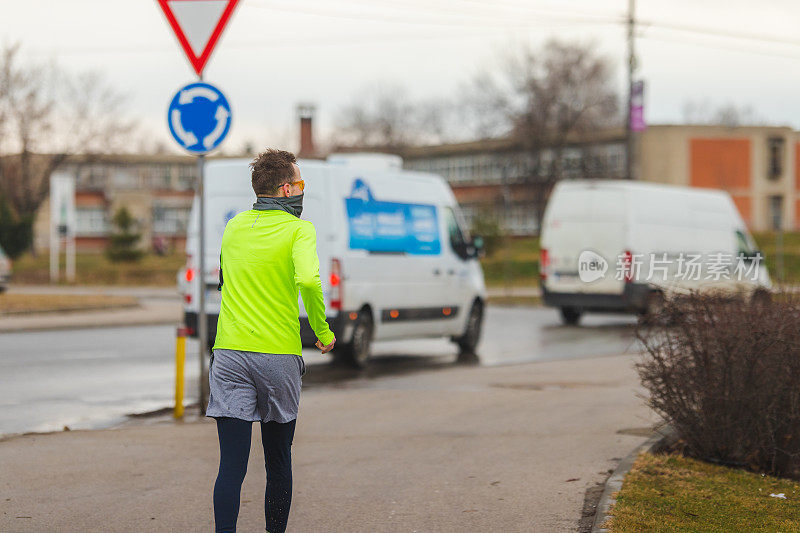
{"type": "Point", "coordinates": [728, 115]}
{"type": "Point", "coordinates": [378, 116]}
{"type": "Point", "coordinates": [385, 116]}
{"type": "Point", "coordinates": [46, 115]}
{"type": "Point", "coordinates": [545, 98]}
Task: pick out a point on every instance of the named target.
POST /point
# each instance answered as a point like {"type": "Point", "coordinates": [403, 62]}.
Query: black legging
{"type": "Point", "coordinates": [234, 446]}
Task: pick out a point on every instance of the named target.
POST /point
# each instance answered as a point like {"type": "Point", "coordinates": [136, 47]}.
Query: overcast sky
{"type": "Point", "coordinates": [275, 53]}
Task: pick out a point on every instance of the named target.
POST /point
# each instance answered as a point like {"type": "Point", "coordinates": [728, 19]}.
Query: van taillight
{"type": "Point", "coordinates": [336, 284]}
{"type": "Point", "coordinates": [189, 274]}
{"type": "Point", "coordinates": [544, 263]}
{"type": "Point", "coordinates": [627, 266]}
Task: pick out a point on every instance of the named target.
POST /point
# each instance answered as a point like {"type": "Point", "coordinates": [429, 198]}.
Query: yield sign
{"type": "Point", "coordinates": [197, 25]}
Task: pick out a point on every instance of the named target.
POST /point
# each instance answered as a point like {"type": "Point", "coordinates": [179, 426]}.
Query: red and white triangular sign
{"type": "Point", "coordinates": [197, 25]}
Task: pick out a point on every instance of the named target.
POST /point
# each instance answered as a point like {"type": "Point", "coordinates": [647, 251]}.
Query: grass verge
{"type": "Point", "coordinates": [665, 493]}
{"type": "Point", "coordinates": [97, 269]}
{"type": "Point", "coordinates": [515, 263]}
{"type": "Point", "coordinates": [22, 304]}
{"type": "Point", "coordinates": [515, 301]}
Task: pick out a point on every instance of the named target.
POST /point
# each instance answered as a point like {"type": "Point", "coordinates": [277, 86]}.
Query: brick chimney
{"type": "Point", "coordinates": [305, 112]}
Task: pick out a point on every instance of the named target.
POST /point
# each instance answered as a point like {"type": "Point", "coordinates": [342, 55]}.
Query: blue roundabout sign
{"type": "Point", "coordinates": [199, 117]}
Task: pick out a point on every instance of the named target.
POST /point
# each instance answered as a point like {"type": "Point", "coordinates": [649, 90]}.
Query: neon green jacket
{"type": "Point", "coordinates": [268, 256]}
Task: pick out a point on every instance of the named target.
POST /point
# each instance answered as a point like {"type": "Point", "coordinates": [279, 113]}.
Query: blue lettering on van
{"type": "Point", "coordinates": [379, 226]}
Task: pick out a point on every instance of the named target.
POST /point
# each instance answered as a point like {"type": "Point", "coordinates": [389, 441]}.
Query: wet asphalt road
{"type": "Point", "coordinates": [87, 378]}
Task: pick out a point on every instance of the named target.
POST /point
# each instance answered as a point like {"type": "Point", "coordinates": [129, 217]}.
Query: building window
{"type": "Point", "coordinates": [187, 177]}
{"type": "Point", "coordinates": [124, 178]}
{"type": "Point", "coordinates": [170, 220]}
{"type": "Point", "coordinates": [91, 221]}
{"type": "Point", "coordinates": [96, 176]}
{"type": "Point", "coordinates": [776, 211]}
{"type": "Point", "coordinates": [776, 145]}
{"type": "Point", "coordinates": [160, 177]}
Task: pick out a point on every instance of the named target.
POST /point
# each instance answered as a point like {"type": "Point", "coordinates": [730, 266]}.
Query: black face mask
{"type": "Point", "coordinates": [291, 204]}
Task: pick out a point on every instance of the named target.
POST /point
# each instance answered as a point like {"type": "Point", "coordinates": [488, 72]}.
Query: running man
{"type": "Point", "coordinates": [268, 255]}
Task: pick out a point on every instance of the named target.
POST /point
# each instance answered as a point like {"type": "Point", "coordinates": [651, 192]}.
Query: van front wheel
{"type": "Point", "coordinates": [570, 316]}
{"type": "Point", "coordinates": [468, 342]}
{"type": "Point", "coordinates": [356, 353]}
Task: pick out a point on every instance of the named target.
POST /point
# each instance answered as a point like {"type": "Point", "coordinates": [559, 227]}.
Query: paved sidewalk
{"type": "Point", "coordinates": [509, 448]}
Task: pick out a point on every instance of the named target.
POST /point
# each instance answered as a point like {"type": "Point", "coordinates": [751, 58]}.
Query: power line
{"type": "Point", "coordinates": [467, 21]}
{"type": "Point", "coordinates": [279, 42]}
{"type": "Point", "coordinates": [686, 28]}
{"type": "Point", "coordinates": [719, 46]}
{"type": "Point", "coordinates": [450, 20]}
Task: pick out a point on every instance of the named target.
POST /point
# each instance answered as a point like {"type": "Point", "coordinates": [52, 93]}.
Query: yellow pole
{"type": "Point", "coordinates": [180, 358]}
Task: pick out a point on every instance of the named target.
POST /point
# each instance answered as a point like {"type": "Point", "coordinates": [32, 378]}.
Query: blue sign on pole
{"type": "Point", "coordinates": [199, 117]}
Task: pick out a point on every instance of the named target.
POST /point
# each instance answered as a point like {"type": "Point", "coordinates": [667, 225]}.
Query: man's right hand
{"type": "Point", "coordinates": [328, 348]}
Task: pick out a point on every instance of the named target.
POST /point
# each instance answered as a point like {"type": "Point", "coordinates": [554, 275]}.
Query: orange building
{"type": "Point", "coordinates": [759, 166]}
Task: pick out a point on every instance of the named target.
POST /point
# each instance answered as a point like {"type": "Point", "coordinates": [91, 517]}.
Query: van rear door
{"type": "Point", "coordinates": [584, 219]}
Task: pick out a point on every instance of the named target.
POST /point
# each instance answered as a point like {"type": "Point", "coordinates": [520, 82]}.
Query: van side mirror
{"type": "Point", "coordinates": [472, 250]}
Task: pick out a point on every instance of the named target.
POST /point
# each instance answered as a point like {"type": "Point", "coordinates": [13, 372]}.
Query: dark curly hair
{"type": "Point", "coordinates": [271, 169]}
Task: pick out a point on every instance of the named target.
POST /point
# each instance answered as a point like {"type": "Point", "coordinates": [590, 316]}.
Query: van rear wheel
{"type": "Point", "coordinates": [570, 316]}
{"type": "Point", "coordinates": [654, 307]}
{"type": "Point", "coordinates": [356, 353]}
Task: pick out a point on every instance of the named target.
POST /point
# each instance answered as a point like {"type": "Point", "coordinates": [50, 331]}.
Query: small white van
{"type": "Point", "coordinates": [623, 246]}
{"type": "Point", "coordinates": [395, 259]}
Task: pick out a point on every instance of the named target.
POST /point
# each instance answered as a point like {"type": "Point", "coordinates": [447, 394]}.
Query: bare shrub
{"type": "Point", "coordinates": [725, 372]}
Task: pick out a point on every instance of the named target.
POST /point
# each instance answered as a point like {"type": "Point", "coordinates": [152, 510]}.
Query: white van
{"type": "Point", "coordinates": [395, 259]}
{"type": "Point", "coordinates": [622, 246]}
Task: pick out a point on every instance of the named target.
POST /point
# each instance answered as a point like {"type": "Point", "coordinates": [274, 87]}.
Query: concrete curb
{"type": "Point", "coordinates": [614, 482]}
{"type": "Point", "coordinates": [112, 307]}
{"type": "Point", "coordinates": [146, 314]}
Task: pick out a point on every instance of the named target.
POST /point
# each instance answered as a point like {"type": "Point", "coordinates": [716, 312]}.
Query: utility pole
{"type": "Point", "coordinates": [630, 145]}
{"type": "Point", "coordinates": [202, 317]}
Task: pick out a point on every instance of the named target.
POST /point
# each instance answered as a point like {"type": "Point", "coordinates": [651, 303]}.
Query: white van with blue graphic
{"type": "Point", "coordinates": [396, 261]}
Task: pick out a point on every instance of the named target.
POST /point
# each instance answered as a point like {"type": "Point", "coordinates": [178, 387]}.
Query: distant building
{"type": "Point", "coordinates": [157, 190]}
{"type": "Point", "coordinates": [759, 166]}
{"type": "Point", "coordinates": [493, 177]}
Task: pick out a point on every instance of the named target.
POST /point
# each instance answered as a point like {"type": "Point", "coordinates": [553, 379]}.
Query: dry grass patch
{"type": "Point", "coordinates": [675, 493]}
{"type": "Point", "coordinates": [20, 304]}
{"type": "Point", "coordinates": [97, 269]}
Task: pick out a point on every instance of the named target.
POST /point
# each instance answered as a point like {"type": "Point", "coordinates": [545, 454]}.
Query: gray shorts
{"type": "Point", "coordinates": [258, 387]}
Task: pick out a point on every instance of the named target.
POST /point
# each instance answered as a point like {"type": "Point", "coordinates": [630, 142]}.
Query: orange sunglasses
{"type": "Point", "coordinates": [299, 183]}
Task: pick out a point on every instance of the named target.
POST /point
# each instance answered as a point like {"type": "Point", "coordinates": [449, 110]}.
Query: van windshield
{"type": "Point", "coordinates": [744, 245]}
{"type": "Point", "coordinates": [458, 237]}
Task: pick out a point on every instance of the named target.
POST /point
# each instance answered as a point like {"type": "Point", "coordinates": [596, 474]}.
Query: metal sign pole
{"type": "Point", "coordinates": [202, 321]}
{"type": "Point", "coordinates": [196, 22]}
